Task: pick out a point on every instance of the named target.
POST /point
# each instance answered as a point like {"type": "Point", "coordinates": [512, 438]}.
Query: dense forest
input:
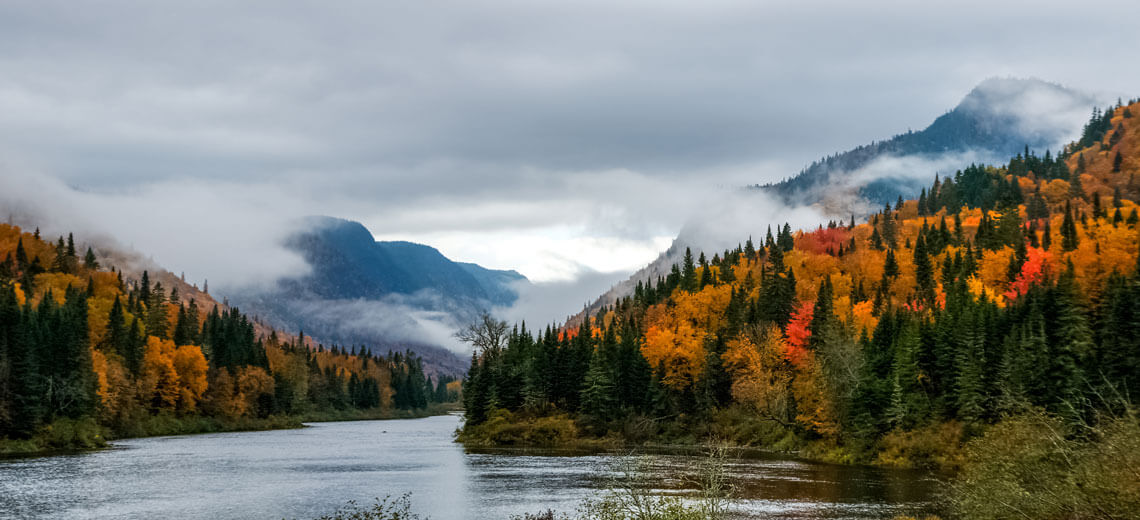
{"type": "Point", "coordinates": [997, 291]}
{"type": "Point", "coordinates": [86, 353]}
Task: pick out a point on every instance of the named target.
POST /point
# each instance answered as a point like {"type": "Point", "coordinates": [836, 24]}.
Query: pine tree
{"type": "Point", "coordinates": [1070, 344]}
{"type": "Point", "coordinates": [1069, 238]}
{"type": "Point", "coordinates": [135, 347]}
{"type": "Point", "coordinates": [688, 272]}
{"type": "Point", "coordinates": [823, 313]}
{"type": "Point", "coordinates": [1047, 236]}
{"type": "Point", "coordinates": [923, 271]}
{"type": "Point", "coordinates": [890, 265]}
{"type": "Point", "coordinates": [598, 388]}
{"type": "Point", "coordinates": [89, 260]}
{"type": "Point", "coordinates": [786, 241]}
{"type": "Point", "coordinates": [22, 382]}
{"type": "Point", "coordinates": [60, 263]}
{"type": "Point", "coordinates": [117, 339]}
{"type": "Point", "coordinates": [970, 383]}
{"type": "Point", "coordinates": [156, 323]}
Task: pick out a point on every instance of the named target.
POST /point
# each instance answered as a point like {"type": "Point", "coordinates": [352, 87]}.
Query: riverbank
{"type": "Point", "coordinates": [937, 447]}
{"type": "Point", "coordinates": [75, 435]}
{"type": "Point", "coordinates": [309, 472]}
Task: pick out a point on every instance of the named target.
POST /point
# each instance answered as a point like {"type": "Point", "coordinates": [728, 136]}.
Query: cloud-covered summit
{"type": "Point", "coordinates": [558, 139]}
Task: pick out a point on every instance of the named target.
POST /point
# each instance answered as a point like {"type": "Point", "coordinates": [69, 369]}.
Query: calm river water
{"type": "Point", "coordinates": [312, 471]}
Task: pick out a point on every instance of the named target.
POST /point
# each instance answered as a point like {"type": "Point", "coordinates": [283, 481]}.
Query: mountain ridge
{"type": "Point", "coordinates": [999, 115]}
{"type": "Point", "coordinates": [383, 294]}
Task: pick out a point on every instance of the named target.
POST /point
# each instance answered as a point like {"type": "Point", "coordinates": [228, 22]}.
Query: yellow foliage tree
{"type": "Point", "coordinates": [761, 376]}
{"type": "Point", "coordinates": [814, 406]}
{"type": "Point", "coordinates": [191, 367]}
{"type": "Point", "coordinates": [252, 384]}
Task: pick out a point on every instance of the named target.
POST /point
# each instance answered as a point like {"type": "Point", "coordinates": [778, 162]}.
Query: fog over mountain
{"type": "Point", "coordinates": [999, 118]}
{"type": "Point", "coordinates": [570, 143]}
{"type": "Point", "coordinates": [383, 295]}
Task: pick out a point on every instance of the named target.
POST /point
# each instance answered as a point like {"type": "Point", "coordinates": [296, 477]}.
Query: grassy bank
{"type": "Point", "coordinates": [68, 435]}
{"type": "Point", "coordinates": [1029, 465]}
{"type": "Point", "coordinates": [939, 446]}
{"type": "Point", "coordinates": [506, 429]}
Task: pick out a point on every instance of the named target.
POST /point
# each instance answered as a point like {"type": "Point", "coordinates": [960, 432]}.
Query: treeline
{"type": "Point", "coordinates": [1000, 289]}
{"type": "Point", "coordinates": [77, 342]}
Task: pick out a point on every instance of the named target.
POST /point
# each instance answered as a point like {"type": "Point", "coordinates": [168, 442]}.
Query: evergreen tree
{"type": "Point", "coordinates": [923, 272]}
{"type": "Point", "coordinates": [1069, 238]}
{"type": "Point", "coordinates": [688, 272]}
{"type": "Point", "coordinates": [599, 390]}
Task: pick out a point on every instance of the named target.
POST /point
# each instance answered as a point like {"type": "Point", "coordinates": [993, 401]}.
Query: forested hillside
{"type": "Point", "coordinates": [359, 290]}
{"type": "Point", "coordinates": [997, 119]}
{"type": "Point", "coordinates": [86, 352]}
{"type": "Point", "coordinates": [997, 291]}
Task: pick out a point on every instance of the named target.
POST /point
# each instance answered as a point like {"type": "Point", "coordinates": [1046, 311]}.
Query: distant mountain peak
{"type": "Point", "coordinates": [380, 293]}
{"type": "Point", "coordinates": [1002, 91]}
{"type": "Point", "coordinates": [998, 118]}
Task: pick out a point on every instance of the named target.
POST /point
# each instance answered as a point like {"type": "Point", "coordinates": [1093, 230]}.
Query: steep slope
{"type": "Point", "coordinates": [998, 119]}
{"type": "Point", "coordinates": [347, 262]}
{"type": "Point", "coordinates": [1003, 290]}
{"type": "Point", "coordinates": [108, 343]}
{"type": "Point", "coordinates": [380, 294]}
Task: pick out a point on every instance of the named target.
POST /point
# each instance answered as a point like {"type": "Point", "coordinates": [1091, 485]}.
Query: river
{"type": "Point", "coordinates": [308, 472]}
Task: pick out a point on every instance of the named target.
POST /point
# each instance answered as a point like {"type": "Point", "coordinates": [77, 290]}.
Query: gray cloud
{"type": "Point", "coordinates": [546, 303]}
{"type": "Point", "coordinates": [196, 132]}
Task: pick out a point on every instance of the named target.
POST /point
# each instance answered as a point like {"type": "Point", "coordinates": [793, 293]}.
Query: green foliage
{"type": "Point", "coordinates": [60, 389]}
{"type": "Point", "coordinates": [1035, 466]}
{"type": "Point", "coordinates": [630, 495]}
{"type": "Point", "coordinates": [503, 428]}
{"type": "Point", "coordinates": [935, 446]}
{"type": "Point", "coordinates": [387, 508]}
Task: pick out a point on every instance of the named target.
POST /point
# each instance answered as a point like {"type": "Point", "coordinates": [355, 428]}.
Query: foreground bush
{"type": "Point", "coordinates": [504, 428]}
{"type": "Point", "coordinates": [936, 446]}
{"type": "Point", "coordinates": [386, 508]}
{"type": "Point", "coordinates": [631, 495]}
{"type": "Point", "coordinates": [60, 435]}
{"type": "Point", "coordinates": [1034, 466]}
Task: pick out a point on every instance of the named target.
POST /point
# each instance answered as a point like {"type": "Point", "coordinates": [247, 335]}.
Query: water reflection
{"type": "Point", "coordinates": [309, 472]}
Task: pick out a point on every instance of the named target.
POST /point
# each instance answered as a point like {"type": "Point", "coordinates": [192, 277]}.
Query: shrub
{"type": "Point", "coordinates": [631, 497]}
{"type": "Point", "coordinates": [386, 508]}
{"type": "Point", "coordinates": [68, 434]}
{"type": "Point", "coordinates": [1034, 466]}
{"type": "Point", "coordinates": [503, 428]}
{"type": "Point", "coordinates": [937, 446]}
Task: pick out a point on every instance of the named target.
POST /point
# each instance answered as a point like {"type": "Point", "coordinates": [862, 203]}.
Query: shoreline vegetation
{"type": "Point", "coordinates": [1034, 464]}
{"type": "Point", "coordinates": [939, 448]}
{"type": "Point", "coordinates": [988, 327]}
{"type": "Point", "coordinates": [67, 436]}
{"type": "Point", "coordinates": [91, 353]}
{"type": "Point", "coordinates": [631, 494]}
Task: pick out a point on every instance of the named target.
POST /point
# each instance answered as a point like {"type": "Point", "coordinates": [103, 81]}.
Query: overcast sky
{"type": "Point", "coordinates": [554, 138]}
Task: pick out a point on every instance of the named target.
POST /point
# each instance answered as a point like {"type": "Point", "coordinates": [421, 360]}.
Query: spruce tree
{"type": "Point", "coordinates": [688, 272]}
{"type": "Point", "coordinates": [89, 260]}
{"type": "Point", "coordinates": [117, 339]}
{"type": "Point", "coordinates": [923, 272]}
{"type": "Point", "coordinates": [1069, 238]}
